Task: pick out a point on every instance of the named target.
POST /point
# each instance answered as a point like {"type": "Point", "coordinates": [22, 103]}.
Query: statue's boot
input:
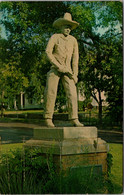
{"type": "Point", "coordinates": [76, 123]}
{"type": "Point", "coordinates": [49, 123]}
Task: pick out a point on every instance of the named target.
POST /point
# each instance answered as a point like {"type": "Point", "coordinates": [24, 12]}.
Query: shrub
{"type": "Point", "coordinates": [26, 171]}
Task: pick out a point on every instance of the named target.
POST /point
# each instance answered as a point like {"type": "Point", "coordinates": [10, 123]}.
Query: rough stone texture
{"type": "Point", "coordinates": [68, 161]}
{"type": "Point", "coordinates": [71, 146]}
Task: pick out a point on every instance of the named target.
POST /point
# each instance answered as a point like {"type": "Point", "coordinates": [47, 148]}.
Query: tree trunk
{"type": "Point", "coordinates": [100, 108]}
{"type": "Point", "coordinates": [100, 111]}
{"type": "Point", "coordinates": [99, 101]}
{"type": "Point", "coordinates": [2, 105]}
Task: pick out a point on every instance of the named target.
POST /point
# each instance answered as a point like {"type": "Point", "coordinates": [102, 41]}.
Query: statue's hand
{"type": "Point", "coordinates": [75, 78]}
{"type": "Point", "coordinates": [62, 69]}
{"type": "Point", "coordinates": [65, 70]}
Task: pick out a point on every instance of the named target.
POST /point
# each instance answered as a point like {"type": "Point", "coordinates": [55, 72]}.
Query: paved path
{"type": "Point", "coordinates": [111, 136]}
{"type": "Point", "coordinates": [19, 132]}
{"type": "Point", "coordinates": [25, 125]}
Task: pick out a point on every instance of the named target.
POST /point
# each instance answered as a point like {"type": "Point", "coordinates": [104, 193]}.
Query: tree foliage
{"type": "Point", "coordinates": [12, 80]}
{"type": "Point", "coordinates": [100, 54]}
{"type": "Point", "coordinates": [29, 26]}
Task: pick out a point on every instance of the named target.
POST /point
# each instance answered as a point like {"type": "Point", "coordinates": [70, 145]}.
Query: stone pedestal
{"type": "Point", "coordinates": [72, 147]}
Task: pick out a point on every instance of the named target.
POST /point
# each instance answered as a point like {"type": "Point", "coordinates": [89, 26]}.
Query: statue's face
{"type": "Point", "coordinates": [66, 29]}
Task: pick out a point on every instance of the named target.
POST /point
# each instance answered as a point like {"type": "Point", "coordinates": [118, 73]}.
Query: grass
{"type": "Point", "coordinates": [94, 111]}
{"type": "Point", "coordinates": [7, 148]}
{"type": "Point", "coordinates": [117, 169]}
{"type": "Point", "coordinates": [22, 111]}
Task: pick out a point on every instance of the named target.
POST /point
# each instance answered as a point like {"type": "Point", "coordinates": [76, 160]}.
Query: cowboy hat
{"type": "Point", "coordinates": [66, 20]}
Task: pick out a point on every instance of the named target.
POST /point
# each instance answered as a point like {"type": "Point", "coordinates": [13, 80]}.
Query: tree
{"type": "Point", "coordinates": [12, 80]}
{"type": "Point", "coordinates": [97, 57]}
{"type": "Point", "coordinates": [29, 26]}
{"type": "Point", "coordinates": [114, 89]}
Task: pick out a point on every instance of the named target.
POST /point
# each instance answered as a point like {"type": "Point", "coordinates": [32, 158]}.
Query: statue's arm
{"type": "Point", "coordinates": [49, 52]}
{"type": "Point", "coordinates": [75, 59]}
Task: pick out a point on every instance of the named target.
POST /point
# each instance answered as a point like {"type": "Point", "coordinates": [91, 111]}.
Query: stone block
{"type": "Point", "coordinates": [69, 161]}
{"type": "Point", "coordinates": [71, 146]}
{"type": "Point", "coordinates": [62, 133]}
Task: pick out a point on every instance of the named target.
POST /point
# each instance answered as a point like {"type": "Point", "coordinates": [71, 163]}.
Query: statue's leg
{"type": "Point", "coordinates": [71, 94]}
{"type": "Point", "coordinates": [50, 93]}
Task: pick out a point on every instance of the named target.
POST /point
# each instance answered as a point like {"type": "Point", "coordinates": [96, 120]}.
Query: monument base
{"type": "Point", "coordinates": [72, 147]}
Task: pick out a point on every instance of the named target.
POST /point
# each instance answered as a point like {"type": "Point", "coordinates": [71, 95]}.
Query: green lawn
{"type": "Point", "coordinates": [116, 172]}
{"type": "Point", "coordinates": [22, 111]}
{"type": "Point", "coordinates": [6, 148]}
{"type": "Point", "coordinates": [117, 169]}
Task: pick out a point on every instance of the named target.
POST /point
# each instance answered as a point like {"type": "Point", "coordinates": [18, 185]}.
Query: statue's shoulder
{"type": "Point", "coordinates": [55, 35]}
{"type": "Point", "coordinates": [72, 38]}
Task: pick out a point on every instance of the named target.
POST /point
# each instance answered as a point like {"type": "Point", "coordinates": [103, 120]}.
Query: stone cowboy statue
{"type": "Point", "coordinates": [62, 52]}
